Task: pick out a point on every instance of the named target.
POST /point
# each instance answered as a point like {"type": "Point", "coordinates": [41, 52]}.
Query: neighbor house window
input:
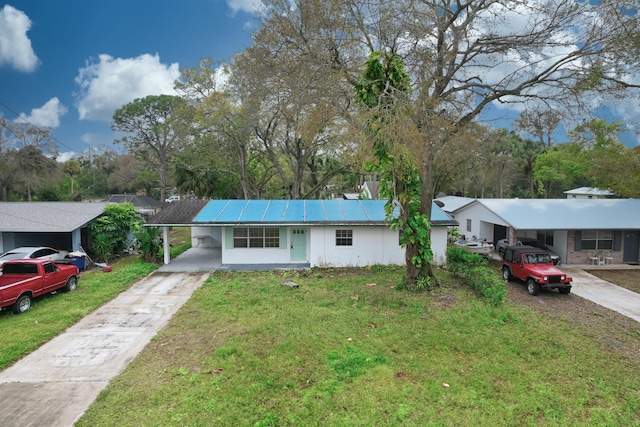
{"type": "Point", "coordinates": [546, 237]}
{"type": "Point", "coordinates": [469, 225]}
{"type": "Point", "coordinates": [597, 239]}
{"type": "Point", "coordinates": [344, 237]}
{"type": "Point", "coordinates": [256, 237]}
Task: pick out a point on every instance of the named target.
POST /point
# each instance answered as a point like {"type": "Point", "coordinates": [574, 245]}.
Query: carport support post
{"type": "Point", "coordinates": [166, 244]}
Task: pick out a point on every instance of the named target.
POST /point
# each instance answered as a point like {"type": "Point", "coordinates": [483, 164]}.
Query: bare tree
{"type": "Point", "coordinates": [539, 123]}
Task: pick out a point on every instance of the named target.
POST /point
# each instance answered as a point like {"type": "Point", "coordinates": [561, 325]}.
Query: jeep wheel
{"type": "Point", "coordinates": [532, 287]}
{"type": "Point", "coordinates": [506, 273]}
{"type": "Point", "coordinates": [564, 290]}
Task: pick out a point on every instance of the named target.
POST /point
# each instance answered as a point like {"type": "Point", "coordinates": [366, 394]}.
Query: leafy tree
{"type": "Point", "coordinates": [112, 231]}
{"type": "Point", "coordinates": [383, 83]}
{"type": "Point", "coordinates": [48, 193]}
{"type": "Point", "coordinates": [157, 129]}
{"type": "Point", "coordinates": [148, 242]}
{"type": "Point", "coordinates": [561, 168]}
{"type": "Point", "coordinates": [72, 169]}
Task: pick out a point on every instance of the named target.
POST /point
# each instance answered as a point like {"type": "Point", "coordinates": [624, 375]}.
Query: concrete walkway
{"type": "Point", "coordinates": [54, 385]}
{"type": "Point", "coordinates": [603, 293]}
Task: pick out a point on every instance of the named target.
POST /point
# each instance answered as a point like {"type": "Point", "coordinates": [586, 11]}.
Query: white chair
{"type": "Point", "coordinates": [593, 258]}
{"type": "Point", "coordinates": [607, 258]}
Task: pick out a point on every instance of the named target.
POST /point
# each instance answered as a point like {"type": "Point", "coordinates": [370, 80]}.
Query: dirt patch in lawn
{"type": "Point", "coordinates": [613, 330]}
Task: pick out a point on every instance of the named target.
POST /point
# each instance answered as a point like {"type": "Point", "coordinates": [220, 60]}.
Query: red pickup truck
{"type": "Point", "coordinates": [24, 279]}
{"type": "Point", "coordinates": [535, 267]}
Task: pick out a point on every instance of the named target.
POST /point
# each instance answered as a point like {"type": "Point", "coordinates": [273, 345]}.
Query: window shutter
{"type": "Point", "coordinates": [617, 240]}
{"type": "Point", "coordinates": [578, 242]}
{"type": "Point", "coordinates": [283, 238]}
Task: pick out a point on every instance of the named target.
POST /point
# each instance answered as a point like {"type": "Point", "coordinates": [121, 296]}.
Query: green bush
{"type": "Point", "coordinates": [476, 271]}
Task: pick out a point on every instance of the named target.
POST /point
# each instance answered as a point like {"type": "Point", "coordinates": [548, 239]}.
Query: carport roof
{"type": "Point", "coordinates": [288, 212]}
{"type": "Point", "coordinates": [51, 217]}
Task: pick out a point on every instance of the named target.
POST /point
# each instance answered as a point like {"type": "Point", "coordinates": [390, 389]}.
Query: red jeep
{"type": "Point", "coordinates": [535, 267]}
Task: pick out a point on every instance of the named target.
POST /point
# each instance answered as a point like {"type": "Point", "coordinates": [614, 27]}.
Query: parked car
{"type": "Point", "coordinates": [529, 241]}
{"type": "Point", "coordinates": [24, 279]}
{"type": "Point", "coordinates": [534, 267]}
{"type": "Point", "coordinates": [172, 198]}
{"type": "Point", "coordinates": [40, 252]}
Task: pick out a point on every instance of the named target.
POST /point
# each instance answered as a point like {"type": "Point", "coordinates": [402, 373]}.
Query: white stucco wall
{"type": "Point", "coordinates": [371, 245]}
{"type": "Point", "coordinates": [231, 255]}
{"type": "Point", "coordinates": [482, 221]}
{"type": "Point", "coordinates": [212, 236]}
{"type": "Point", "coordinates": [439, 245]}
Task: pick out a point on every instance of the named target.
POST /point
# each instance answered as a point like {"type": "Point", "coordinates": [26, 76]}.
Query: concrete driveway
{"type": "Point", "coordinates": [603, 293]}
{"type": "Point", "coordinates": [54, 385]}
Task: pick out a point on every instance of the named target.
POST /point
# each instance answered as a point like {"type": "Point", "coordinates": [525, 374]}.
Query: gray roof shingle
{"type": "Point", "coordinates": [62, 217]}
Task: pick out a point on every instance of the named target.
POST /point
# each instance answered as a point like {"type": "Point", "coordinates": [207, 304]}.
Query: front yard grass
{"type": "Point", "coordinates": [347, 349]}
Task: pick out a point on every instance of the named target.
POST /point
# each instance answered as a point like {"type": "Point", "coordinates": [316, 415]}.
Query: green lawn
{"type": "Point", "coordinates": [348, 349]}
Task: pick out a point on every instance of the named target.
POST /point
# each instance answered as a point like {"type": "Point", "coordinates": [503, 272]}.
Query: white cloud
{"type": "Point", "coordinates": [97, 139]}
{"type": "Point", "coordinates": [113, 82]}
{"type": "Point", "coordinates": [15, 46]}
{"type": "Point", "coordinates": [47, 116]}
{"type": "Point", "coordinates": [250, 6]}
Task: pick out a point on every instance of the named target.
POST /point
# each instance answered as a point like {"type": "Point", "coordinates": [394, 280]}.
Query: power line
{"type": "Point", "coordinates": [37, 127]}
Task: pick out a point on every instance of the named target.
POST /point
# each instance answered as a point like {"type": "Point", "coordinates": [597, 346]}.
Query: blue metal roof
{"type": "Point", "coordinates": [302, 212]}
{"type": "Point", "coordinates": [571, 214]}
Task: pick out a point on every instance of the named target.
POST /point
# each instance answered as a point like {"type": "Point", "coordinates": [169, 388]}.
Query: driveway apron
{"type": "Point", "coordinates": [54, 385]}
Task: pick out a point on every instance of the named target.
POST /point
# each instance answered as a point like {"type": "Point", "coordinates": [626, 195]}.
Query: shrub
{"type": "Point", "coordinates": [476, 271]}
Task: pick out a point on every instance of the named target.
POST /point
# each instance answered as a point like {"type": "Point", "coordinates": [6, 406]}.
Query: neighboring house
{"type": "Point", "coordinates": [144, 205]}
{"type": "Point", "coordinates": [323, 233]}
{"type": "Point", "coordinates": [571, 227]}
{"type": "Point", "coordinates": [60, 225]}
{"type": "Point", "coordinates": [589, 193]}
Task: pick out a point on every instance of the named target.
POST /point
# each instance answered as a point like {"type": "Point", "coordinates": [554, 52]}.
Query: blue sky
{"type": "Point", "coordinates": [68, 64]}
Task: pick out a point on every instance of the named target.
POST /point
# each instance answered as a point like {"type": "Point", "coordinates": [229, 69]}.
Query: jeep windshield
{"type": "Point", "coordinates": [537, 258]}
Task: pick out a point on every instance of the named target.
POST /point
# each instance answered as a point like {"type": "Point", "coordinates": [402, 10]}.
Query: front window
{"type": "Point", "coordinates": [344, 237]}
{"type": "Point", "coordinates": [597, 239]}
{"type": "Point", "coordinates": [256, 237]}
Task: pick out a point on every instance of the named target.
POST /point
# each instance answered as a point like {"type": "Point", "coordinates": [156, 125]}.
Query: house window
{"type": "Point", "coordinates": [344, 237]}
{"type": "Point", "coordinates": [597, 239]}
{"type": "Point", "coordinates": [469, 225]}
{"type": "Point", "coordinates": [256, 237]}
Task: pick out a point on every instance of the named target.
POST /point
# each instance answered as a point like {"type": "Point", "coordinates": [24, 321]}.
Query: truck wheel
{"type": "Point", "coordinates": [532, 287]}
{"type": "Point", "coordinates": [564, 290]}
{"type": "Point", "coordinates": [72, 284]}
{"type": "Point", "coordinates": [22, 304]}
{"type": "Point", "coordinates": [506, 273]}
